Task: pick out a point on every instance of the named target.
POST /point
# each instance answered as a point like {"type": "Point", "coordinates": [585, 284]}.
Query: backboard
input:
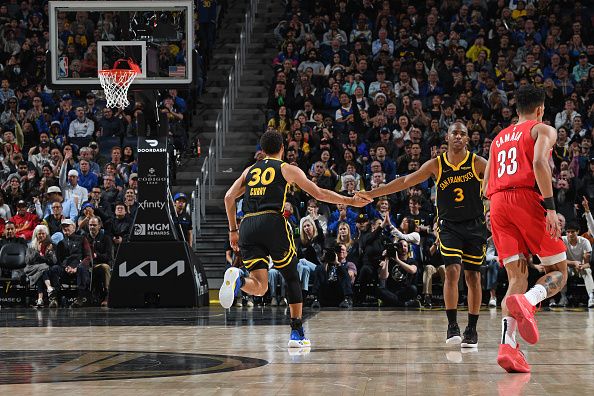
{"type": "Point", "coordinates": [86, 36]}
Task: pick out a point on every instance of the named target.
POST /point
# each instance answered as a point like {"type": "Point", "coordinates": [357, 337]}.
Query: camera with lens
{"type": "Point", "coordinates": [392, 248]}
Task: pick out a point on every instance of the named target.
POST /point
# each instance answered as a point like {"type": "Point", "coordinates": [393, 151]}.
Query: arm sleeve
{"type": "Point", "coordinates": [413, 237]}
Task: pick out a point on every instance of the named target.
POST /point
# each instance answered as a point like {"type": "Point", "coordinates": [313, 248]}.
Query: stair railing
{"type": "Point", "coordinates": [210, 167]}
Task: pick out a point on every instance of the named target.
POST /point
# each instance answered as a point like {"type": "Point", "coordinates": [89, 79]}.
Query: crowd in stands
{"type": "Point", "coordinates": [68, 163]}
{"type": "Point", "coordinates": [364, 92]}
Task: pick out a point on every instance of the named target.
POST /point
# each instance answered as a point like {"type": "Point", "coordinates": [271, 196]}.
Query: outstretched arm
{"type": "Point", "coordinates": [235, 191]}
{"type": "Point", "coordinates": [428, 169]}
{"type": "Point", "coordinates": [293, 174]}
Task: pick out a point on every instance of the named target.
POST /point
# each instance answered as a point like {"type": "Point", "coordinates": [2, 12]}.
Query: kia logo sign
{"type": "Point", "coordinates": [152, 142]}
{"type": "Point", "coordinates": [153, 269]}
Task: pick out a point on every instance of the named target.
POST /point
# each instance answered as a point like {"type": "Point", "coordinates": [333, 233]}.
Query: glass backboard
{"type": "Point", "coordinates": [86, 36]}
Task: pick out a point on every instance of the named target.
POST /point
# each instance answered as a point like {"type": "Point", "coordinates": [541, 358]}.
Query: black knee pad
{"type": "Point", "coordinates": [294, 295]}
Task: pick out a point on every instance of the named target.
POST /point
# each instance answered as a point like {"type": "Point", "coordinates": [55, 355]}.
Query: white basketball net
{"type": "Point", "coordinates": [115, 83]}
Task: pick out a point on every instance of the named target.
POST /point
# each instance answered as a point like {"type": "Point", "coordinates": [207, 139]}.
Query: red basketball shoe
{"type": "Point", "coordinates": [521, 310]}
{"type": "Point", "coordinates": [512, 360]}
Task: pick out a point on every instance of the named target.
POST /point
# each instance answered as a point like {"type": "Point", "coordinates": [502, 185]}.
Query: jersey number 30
{"type": "Point", "coordinates": [258, 176]}
{"type": "Point", "coordinates": [502, 159]}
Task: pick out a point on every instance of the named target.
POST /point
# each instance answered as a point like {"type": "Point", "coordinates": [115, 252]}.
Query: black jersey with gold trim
{"type": "Point", "coordinates": [458, 189]}
{"type": "Point", "coordinates": [265, 187]}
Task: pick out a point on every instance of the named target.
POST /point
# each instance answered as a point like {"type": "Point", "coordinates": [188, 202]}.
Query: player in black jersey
{"type": "Point", "coordinates": [458, 176]}
{"type": "Point", "coordinates": [265, 234]}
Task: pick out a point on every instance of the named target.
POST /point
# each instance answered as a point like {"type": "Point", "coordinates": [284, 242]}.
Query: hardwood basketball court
{"type": "Point", "coordinates": [243, 352]}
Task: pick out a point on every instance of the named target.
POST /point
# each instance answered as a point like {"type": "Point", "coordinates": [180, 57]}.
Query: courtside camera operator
{"type": "Point", "coordinates": [397, 274]}
{"type": "Point", "coordinates": [332, 285]}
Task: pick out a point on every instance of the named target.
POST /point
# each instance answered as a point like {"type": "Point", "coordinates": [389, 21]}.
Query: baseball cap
{"type": "Point", "coordinates": [44, 144]}
{"type": "Point", "coordinates": [583, 55]}
{"type": "Point", "coordinates": [93, 144]}
{"type": "Point", "coordinates": [67, 222]}
{"type": "Point", "coordinates": [66, 97]}
{"type": "Point", "coordinates": [55, 123]}
{"type": "Point", "coordinates": [381, 69]}
{"type": "Point", "coordinates": [180, 196]}
{"type": "Point", "coordinates": [54, 189]}
{"type": "Point", "coordinates": [133, 176]}
{"type": "Point", "coordinates": [90, 95]}
{"type": "Point", "coordinates": [385, 130]}
{"type": "Point", "coordinates": [72, 172]}
{"type": "Point", "coordinates": [21, 203]}
{"type": "Point", "coordinates": [456, 69]}
{"type": "Point", "coordinates": [87, 205]}
{"type": "Point", "coordinates": [362, 218]}
{"type": "Point", "coordinates": [592, 160]}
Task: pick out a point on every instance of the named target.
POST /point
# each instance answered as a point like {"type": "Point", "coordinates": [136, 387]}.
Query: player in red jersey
{"type": "Point", "coordinates": [522, 224]}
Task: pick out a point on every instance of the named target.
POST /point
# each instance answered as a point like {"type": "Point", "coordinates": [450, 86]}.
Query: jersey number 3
{"type": "Point", "coordinates": [502, 159]}
{"type": "Point", "coordinates": [258, 176]}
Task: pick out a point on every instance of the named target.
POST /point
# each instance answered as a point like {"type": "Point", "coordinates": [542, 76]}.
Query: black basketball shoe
{"type": "Point", "coordinates": [453, 336]}
{"type": "Point", "coordinates": [470, 339]}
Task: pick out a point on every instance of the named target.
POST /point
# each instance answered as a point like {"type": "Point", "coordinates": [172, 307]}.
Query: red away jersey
{"type": "Point", "coordinates": [512, 153]}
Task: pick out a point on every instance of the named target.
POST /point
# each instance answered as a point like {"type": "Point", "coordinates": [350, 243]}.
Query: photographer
{"type": "Point", "coordinates": [397, 274]}
{"type": "Point", "coordinates": [332, 286]}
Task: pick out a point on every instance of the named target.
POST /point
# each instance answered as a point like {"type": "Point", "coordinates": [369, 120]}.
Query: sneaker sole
{"type": "Point", "coordinates": [467, 345]}
{"type": "Point", "coordinates": [508, 364]}
{"type": "Point", "coordinates": [299, 344]}
{"type": "Point", "coordinates": [527, 328]}
{"type": "Point", "coordinates": [455, 340]}
{"type": "Point", "coordinates": [227, 290]}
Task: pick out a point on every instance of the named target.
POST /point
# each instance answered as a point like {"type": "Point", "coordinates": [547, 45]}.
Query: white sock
{"type": "Point", "coordinates": [50, 289]}
{"type": "Point", "coordinates": [536, 294]}
{"type": "Point", "coordinates": [508, 331]}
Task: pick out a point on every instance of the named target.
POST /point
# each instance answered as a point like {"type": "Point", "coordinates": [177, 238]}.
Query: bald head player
{"type": "Point", "coordinates": [461, 218]}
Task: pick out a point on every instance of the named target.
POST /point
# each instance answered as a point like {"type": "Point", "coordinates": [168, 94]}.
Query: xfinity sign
{"type": "Point", "coordinates": [144, 205]}
{"type": "Point", "coordinates": [152, 267]}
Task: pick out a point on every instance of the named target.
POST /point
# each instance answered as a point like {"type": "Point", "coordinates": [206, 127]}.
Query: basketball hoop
{"type": "Point", "coordinates": [115, 83]}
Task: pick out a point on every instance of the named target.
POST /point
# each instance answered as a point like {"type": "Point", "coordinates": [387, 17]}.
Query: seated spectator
{"type": "Point", "coordinates": [180, 217]}
{"type": "Point", "coordinates": [24, 221]}
{"type": "Point", "coordinates": [86, 178]}
{"type": "Point", "coordinates": [9, 236]}
{"type": "Point", "coordinates": [81, 129]}
{"type": "Point", "coordinates": [73, 261]}
{"type": "Point", "coordinates": [381, 210]}
{"type": "Point", "coordinates": [120, 225]}
{"type": "Point", "coordinates": [342, 214]}
{"type": "Point", "coordinates": [68, 208]}
{"type": "Point", "coordinates": [332, 283]}
{"type": "Point", "coordinates": [102, 258]}
{"type": "Point", "coordinates": [5, 212]}
{"type": "Point", "coordinates": [312, 241]}
{"type": "Point", "coordinates": [40, 257]}
{"type": "Point", "coordinates": [69, 184]}
{"type": "Point", "coordinates": [313, 214]}
{"type": "Point", "coordinates": [579, 251]}
{"type": "Point", "coordinates": [343, 259]}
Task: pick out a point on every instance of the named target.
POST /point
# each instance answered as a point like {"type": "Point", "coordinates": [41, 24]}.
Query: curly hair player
{"type": "Point", "coordinates": [461, 220]}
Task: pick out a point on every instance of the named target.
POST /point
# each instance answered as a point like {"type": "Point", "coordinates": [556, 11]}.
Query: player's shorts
{"type": "Point", "coordinates": [263, 235]}
{"type": "Point", "coordinates": [519, 227]}
{"type": "Point", "coordinates": [463, 242]}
